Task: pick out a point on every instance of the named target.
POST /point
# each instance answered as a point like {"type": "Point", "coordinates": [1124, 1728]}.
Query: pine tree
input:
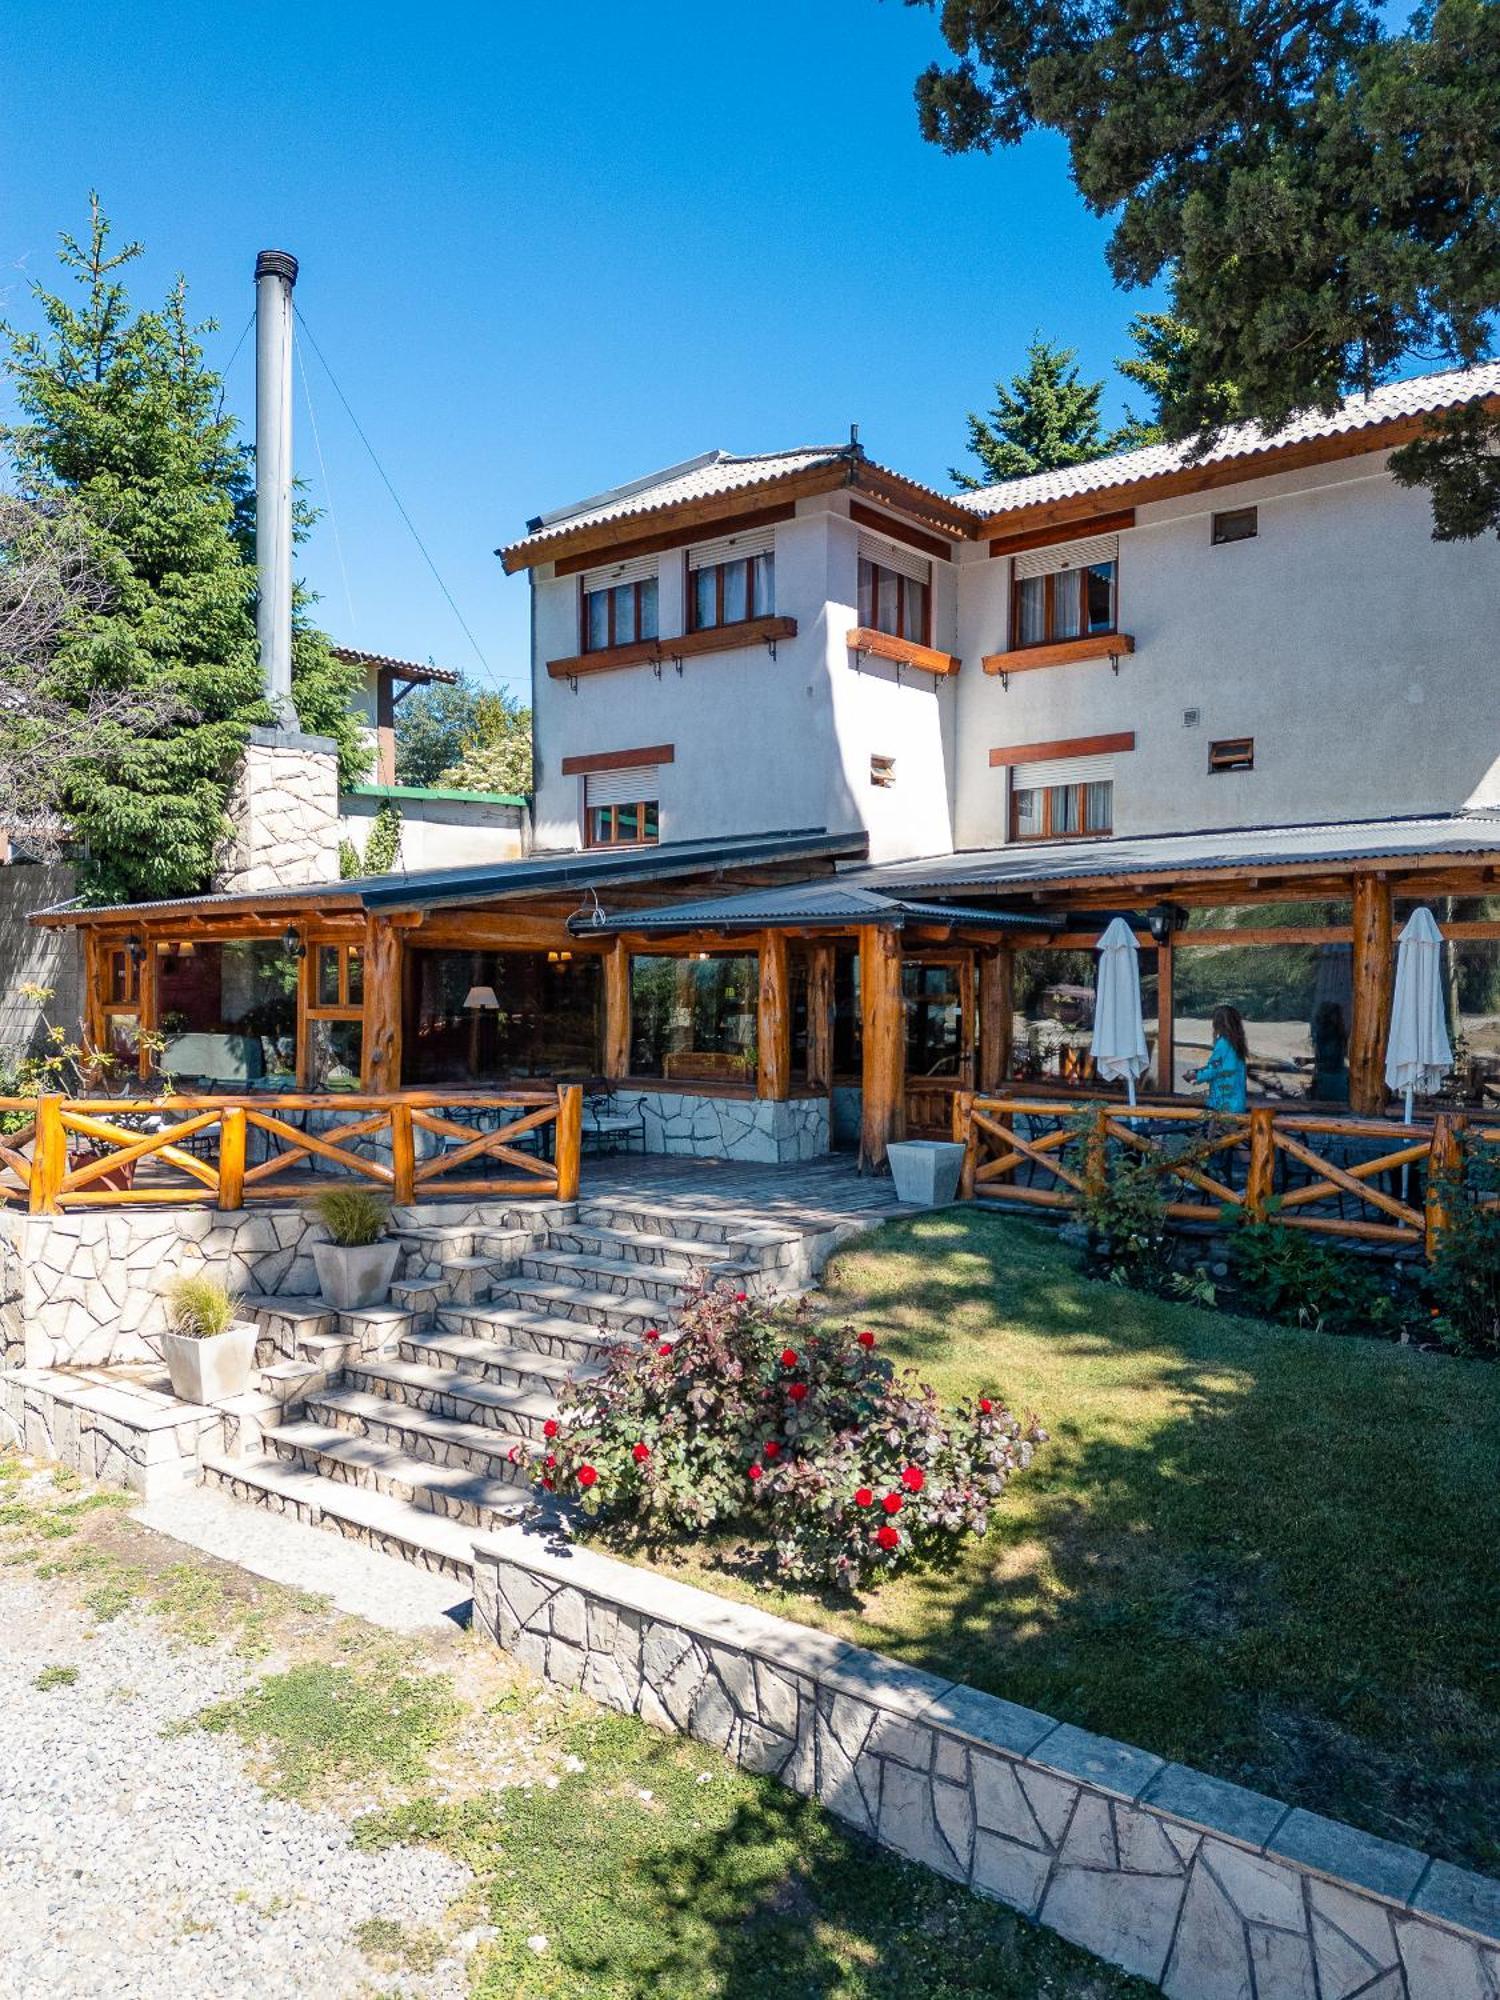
{"type": "Point", "coordinates": [1162, 366]}
{"type": "Point", "coordinates": [1047, 417]}
{"type": "Point", "coordinates": [123, 421]}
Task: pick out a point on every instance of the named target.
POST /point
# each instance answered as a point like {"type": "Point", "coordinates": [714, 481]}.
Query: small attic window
{"type": "Point", "coordinates": [883, 772]}
{"type": "Point", "coordinates": [1232, 753]}
{"type": "Point", "coordinates": [1239, 524]}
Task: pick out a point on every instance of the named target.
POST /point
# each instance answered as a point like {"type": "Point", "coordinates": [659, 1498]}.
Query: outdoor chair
{"type": "Point", "coordinates": [612, 1124]}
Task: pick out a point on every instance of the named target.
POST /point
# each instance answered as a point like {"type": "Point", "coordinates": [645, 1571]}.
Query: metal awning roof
{"type": "Point", "coordinates": [1028, 865]}
{"type": "Point", "coordinates": [498, 881]}
{"type": "Point", "coordinates": [835, 901]}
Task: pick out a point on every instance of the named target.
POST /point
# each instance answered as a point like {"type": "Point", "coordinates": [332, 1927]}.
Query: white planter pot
{"type": "Point", "coordinates": [208, 1371]}
{"type": "Point", "coordinates": [352, 1278]}
{"type": "Point", "coordinates": [926, 1171]}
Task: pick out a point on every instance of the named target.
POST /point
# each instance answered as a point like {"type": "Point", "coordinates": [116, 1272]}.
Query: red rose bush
{"type": "Point", "coordinates": [753, 1418]}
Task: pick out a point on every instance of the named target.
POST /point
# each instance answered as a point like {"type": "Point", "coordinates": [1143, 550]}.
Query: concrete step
{"type": "Point", "coordinates": [356, 1512]}
{"type": "Point", "coordinates": [429, 1354]}
{"type": "Point", "coordinates": [447, 1392]}
{"type": "Point", "coordinates": [436, 1439]}
{"type": "Point", "coordinates": [703, 1226]}
{"type": "Point", "coordinates": [286, 1324]}
{"type": "Point", "coordinates": [501, 1341]}
{"type": "Point", "coordinates": [613, 1276]}
{"type": "Point", "coordinates": [609, 1313]}
{"type": "Point", "coordinates": [479, 1499]}
{"type": "Point", "coordinates": [638, 1246]}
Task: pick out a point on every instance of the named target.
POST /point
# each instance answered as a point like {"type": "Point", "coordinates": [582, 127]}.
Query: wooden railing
{"type": "Point", "coordinates": [1366, 1178]}
{"type": "Point", "coordinates": [66, 1153]}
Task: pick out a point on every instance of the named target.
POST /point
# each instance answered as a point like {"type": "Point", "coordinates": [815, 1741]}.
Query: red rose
{"type": "Point", "coordinates": [892, 1503]}
{"type": "Point", "coordinates": [548, 1487]}
{"type": "Point", "coordinates": [641, 1453]}
{"type": "Point", "coordinates": [754, 1472]}
{"type": "Point", "coordinates": [985, 1406]}
{"type": "Point", "coordinates": [740, 1298]}
{"type": "Point", "coordinates": [549, 1429]}
{"type": "Point", "coordinates": [914, 1479]}
{"type": "Point", "coordinates": [788, 1357]}
{"type": "Point", "coordinates": [587, 1476]}
{"type": "Point", "coordinates": [664, 1349]}
{"type": "Point", "coordinates": [771, 1449]}
{"type": "Point", "coordinates": [887, 1536]}
{"type": "Point", "coordinates": [797, 1390]}
{"type": "Point", "coordinates": [549, 1461]}
{"type": "Point", "coordinates": [867, 1340]}
{"type": "Point", "coordinates": [514, 1454]}
{"type": "Point", "coordinates": [652, 1333]}
{"type": "Point", "coordinates": [864, 1497]}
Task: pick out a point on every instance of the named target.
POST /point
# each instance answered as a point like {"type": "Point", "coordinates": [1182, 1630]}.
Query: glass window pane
{"type": "Point", "coordinates": [649, 821]}
{"type": "Point", "coordinates": [356, 977]}
{"type": "Point", "coordinates": [648, 628]}
{"type": "Point", "coordinates": [627, 822]}
{"type": "Point", "coordinates": [122, 1037]}
{"type": "Point", "coordinates": [547, 1023]}
{"type": "Point", "coordinates": [228, 1012]}
{"type": "Point", "coordinates": [1066, 586]}
{"type": "Point", "coordinates": [887, 602]}
{"type": "Point", "coordinates": [867, 594]}
{"type": "Point", "coordinates": [930, 999]}
{"type": "Point", "coordinates": [1064, 808]}
{"type": "Point", "coordinates": [848, 1021]}
{"type": "Point", "coordinates": [335, 1054]}
{"type": "Point", "coordinates": [1099, 806]}
{"type": "Point", "coordinates": [705, 599]}
{"type": "Point", "coordinates": [327, 987]}
{"type": "Point", "coordinates": [1028, 812]}
{"type": "Point", "coordinates": [736, 592]}
{"type": "Point", "coordinates": [916, 612]}
{"type": "Point", "coordinates": [694, 1018]}
{"type": "Point", "coordinates": [1031, 611]}
{"type": "Point", "coordinates": [624, 596]}
{"type": "Point", "coordinates": [763, 586]}
{"type": "Point", "coordinates": [596, 620]}
{"type": "Point", "coordinates": [1296, 1002]}
{"type": "Point", "coordinates": [1099, 588]}
{"type": "Point", "coordinates": [599, 825]}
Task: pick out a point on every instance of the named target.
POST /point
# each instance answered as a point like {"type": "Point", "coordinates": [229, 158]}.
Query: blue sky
{"type": "Point", "coordinates": [547, 248]}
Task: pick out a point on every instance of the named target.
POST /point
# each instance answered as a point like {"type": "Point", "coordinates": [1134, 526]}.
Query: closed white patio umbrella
{"type": "Point", "coordinates": [1119, 1047]}
{"type": "Point", "coordinates": [1418, 1054]}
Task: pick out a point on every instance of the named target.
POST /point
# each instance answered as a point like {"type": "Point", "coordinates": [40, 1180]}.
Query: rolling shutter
{"type": "Point", "coordinates": [621, 788]}
{"type": "Point", "coordinates": [890, 555]}
{"type": "Point", "coordinates": [1061, 771]}
{"type": "Point", "coordinates": [608, 574]}
{"type": "Point", "coordinates": [1068, 555]}
{"type": "Point", "coordinates": [733, 548]}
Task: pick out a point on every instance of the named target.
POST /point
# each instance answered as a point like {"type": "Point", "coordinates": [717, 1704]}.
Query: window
{"type": "Point", "coordinates": [1232, 753]}
{"type": "Point", "coordinates": [883, 771]}
{"type": "Point", "coordinates": [1239, 524]}
{"type": "Point", "coordinates": [895, 591]}
{"type": "Point", "coordinates": [1061, 812]}
{"type": "Point", "coordinates": [934, 1019]}
{"type": "Point", "coordinates": [228, 1012]}
{"type": "Point", "coordinates": [477, 1017]}
{"type": "Point", "coordinates": [335, 1039]}
{"type": "Point", "coordinates": [693, 1019]}
{"type": "Point", "coordinates": [620, 808]}
{"type": "Point", "coordinates": [1065, 604]}
{"type": "Point", "coordinates": [619, 605]}
{"type": "Point", "coordinates": [732, 580]}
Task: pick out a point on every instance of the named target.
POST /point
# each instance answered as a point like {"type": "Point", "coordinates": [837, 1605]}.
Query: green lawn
{"type": "Point", "coordinates": [1272, 1554]}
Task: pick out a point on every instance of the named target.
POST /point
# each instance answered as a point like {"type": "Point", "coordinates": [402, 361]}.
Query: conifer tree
{"type": "Point", "coordinates": [1047, 417]}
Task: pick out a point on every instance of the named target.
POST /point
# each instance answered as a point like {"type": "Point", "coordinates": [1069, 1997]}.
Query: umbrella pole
{"type": "Point", "coordinates": [1406, 1170]}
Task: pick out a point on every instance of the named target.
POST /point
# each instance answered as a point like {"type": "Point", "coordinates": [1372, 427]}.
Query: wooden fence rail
{"type": "Point", "coordinates": [1366, 1178]}
{"type": "Point", "coordinates": [66, 1153]}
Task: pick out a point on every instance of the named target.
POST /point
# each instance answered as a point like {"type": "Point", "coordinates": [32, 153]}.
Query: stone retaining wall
{"type": "Point", "coordinates": [1211, 1891]}
{"type": "Point", "coordinates": [779, 1132]}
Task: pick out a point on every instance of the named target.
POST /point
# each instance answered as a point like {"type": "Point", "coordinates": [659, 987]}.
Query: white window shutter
{"type": "Point", "coordinates": [1068, 555]}
{"type": "Point", "coordinates": [621, 788]}
{"type": "Point", "coordinates": [891, 555]}
{"type": "Point", "coordinates": [732, 548]}
{"type": "Point", "coordinates": [1061, 771]}
{"type": "Point", "coordinates": [637, 570]}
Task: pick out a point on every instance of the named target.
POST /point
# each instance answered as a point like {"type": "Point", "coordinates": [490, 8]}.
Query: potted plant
{"type": "Point", "coordinates": [355, 1267]}
{"type": "Point", "coordinates": [209, 1353]}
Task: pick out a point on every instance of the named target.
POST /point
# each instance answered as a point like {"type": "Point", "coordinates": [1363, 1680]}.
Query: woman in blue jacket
{"type": "Point", "coordinates": [1224, 1072]}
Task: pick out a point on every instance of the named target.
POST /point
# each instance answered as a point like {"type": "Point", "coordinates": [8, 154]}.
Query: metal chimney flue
{"type": "Point", "coordinates": [275, 275]}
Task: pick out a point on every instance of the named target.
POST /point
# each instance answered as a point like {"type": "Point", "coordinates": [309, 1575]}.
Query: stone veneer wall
{"type": "Point", "coordinates": [1211, 1891]}
{"type": "Point", "coordinates": [284, 808]}
{"type": "Point", "coordinates": [778, 1132]}
{"type": "Point", "coordinates": [83, 1289]}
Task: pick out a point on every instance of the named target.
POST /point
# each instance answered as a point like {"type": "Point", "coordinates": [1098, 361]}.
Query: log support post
{"type": "Point", "coordinates": [380, 1072]}
{"type": "Point", "coordinates": [1260, 1180]}
{"type": "Point", "coordinates": [232, 1157]}
{"type": "Point", "coordinates": [403, 1155]}
{"type": "Point", "coordinates": [996, 1015]}
{"type": "Point", "coordinates": [569, 1140]}
{"type": "Point", "coordinates": [1442, 1162]}
{"type": "Point", "coordinates": [883, 1117]}
{"type": "Point", "coordinates": [774, 1019]}
{"type": "Point", "coordinates": [49, 1156]}
{"type": "Point", "coordinates": [965, 1134]}
{"type": "Point", "coordinates": [820, 1019]}
{"type": "Point", "coordinates": [1166, 1035]}
{"type": "Point", "coordinates": [617, 1011]}
{"type": "Point", "coordinates": [1370, 1028]}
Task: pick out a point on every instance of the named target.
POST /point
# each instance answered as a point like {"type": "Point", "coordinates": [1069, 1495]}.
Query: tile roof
{"type": "Point", "coordinates": [406, 670]}
{"type": "Point", "coordinates": [1416, 397]}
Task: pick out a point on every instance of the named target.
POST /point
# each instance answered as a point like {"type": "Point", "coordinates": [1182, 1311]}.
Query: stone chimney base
{"type": "Point", "coordinates": [285, 810]}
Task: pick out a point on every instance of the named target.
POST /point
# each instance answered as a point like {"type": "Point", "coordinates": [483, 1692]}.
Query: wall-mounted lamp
{"type": "Point", "coordinates": [293, 943]}
{"type": "Point", "coordinates": [1162, 919]}
{"type": "Point", "coordinates": [137, 950]}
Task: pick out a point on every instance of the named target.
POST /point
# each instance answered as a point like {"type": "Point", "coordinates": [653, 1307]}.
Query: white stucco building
{"type": "Point", "coordinates": [1145, 644]}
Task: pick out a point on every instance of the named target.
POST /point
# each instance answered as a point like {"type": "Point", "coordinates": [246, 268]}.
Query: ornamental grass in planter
{"type": "Point", "coordinates": [756, 1419]}
{"type": "Point", "coordinates": [208, 1351]}
{"type": "Point", "coordinates": [356, 1265]}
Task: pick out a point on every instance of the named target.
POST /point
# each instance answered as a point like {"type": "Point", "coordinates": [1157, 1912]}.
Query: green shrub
{"type": "Point", "coordinates": [1465, 1281]}
{"type": "Point", "coordinates": [200, 1306]}
{"type": "Point", "coordinates": [353, 1216]}
{"type": "Point", "coordinates": [754, 1418]}
{"type": "Point", "coordinates": [1290, 1276]}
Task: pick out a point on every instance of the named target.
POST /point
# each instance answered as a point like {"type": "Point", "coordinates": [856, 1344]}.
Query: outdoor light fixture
{"type": "Point", "coordinates": [137, 949]}
{"type": "Point", "coordinates": [293, 943]}
{"type": "Point", "coordinates": [1162, 919]}
{"type": "Point", "coordinates": [482, 999]}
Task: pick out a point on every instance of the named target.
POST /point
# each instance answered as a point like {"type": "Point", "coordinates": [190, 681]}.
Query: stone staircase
{"type": "Point", "coordinates": [407, 1427]}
